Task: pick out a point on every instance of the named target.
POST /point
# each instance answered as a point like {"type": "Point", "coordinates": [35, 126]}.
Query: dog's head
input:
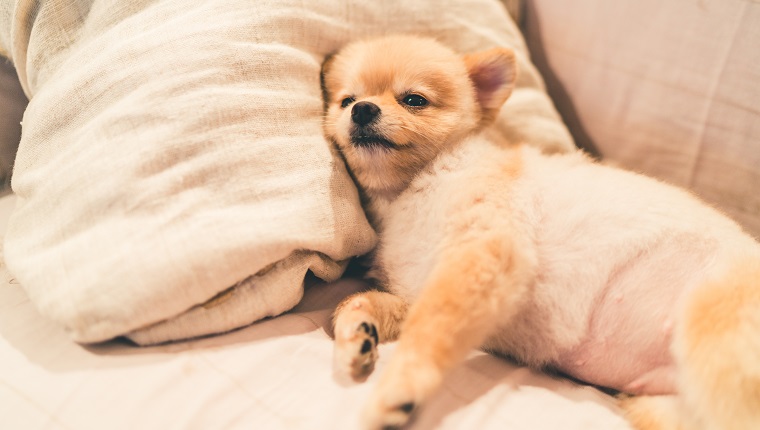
{"type": "Point", "coordinates": [393, 104]}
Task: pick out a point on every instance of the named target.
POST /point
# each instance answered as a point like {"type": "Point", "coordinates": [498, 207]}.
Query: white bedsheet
{"type": "Point", "coordinates": [275, 374]}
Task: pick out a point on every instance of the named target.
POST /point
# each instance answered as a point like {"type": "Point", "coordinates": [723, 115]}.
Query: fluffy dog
{"type": "Point", "coordinates": [557, 261]}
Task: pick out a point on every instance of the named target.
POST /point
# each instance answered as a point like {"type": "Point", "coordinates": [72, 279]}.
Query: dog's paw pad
{"type": "Point", "coordinates": [356, 348]}
{"type": "Point", "coordinates": [369, 329]}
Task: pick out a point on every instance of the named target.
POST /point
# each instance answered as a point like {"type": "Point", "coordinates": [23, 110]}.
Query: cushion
{"type": "Point", "coordinates": [172, 177]}
{"type": "Point", "coordinates": [667, 88]}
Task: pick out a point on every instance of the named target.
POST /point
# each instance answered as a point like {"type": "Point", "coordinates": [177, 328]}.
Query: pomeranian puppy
{"type": "Point", "coordinates": [557, 261]}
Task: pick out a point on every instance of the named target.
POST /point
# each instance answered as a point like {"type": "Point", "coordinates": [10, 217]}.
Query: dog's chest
{"type": "Point", "coordinates": [410, 240]}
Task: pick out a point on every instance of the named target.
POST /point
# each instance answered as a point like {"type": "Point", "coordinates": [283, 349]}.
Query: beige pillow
{"type": "Point", "coordinates": [669, 88]}
{"type": "Point", "coordinates": [173, 149]}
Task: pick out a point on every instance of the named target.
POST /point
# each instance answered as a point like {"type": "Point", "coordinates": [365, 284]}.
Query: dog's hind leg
{"type": "Point", "coordinates": [652, 412]}
{"type": "Point", "coordinates": [360, 322]}
{"type": "Point", "coordinates": [717, 349]}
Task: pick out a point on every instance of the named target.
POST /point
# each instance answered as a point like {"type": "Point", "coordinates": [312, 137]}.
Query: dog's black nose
{"type": "Point", "coordinates": [364, 113]}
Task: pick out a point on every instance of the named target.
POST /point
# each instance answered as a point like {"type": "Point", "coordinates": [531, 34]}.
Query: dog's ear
{"type": "Point", "coordinates": [493, 73]}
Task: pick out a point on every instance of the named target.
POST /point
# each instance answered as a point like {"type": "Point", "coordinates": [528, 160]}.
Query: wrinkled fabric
{"type": "Point", "coordinates": [172, 176]}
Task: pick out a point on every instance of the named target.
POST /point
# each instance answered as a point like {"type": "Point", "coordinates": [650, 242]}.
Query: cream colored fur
{"type": "Point", "coordinates": [560, 262]}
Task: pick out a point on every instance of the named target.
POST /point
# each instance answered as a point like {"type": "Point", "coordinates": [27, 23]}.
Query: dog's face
{"type": "Point", "coordinates": [394, 103]}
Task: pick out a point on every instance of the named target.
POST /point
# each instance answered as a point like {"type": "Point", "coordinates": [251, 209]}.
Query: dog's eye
{"type": "Point", "coordinates": [347, 101]}
{"type": "Point", "coordinates": [414, 100]}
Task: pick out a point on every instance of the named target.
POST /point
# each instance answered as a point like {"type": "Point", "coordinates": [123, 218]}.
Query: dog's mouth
{"type": "Point", "coordinates": [367, 140]}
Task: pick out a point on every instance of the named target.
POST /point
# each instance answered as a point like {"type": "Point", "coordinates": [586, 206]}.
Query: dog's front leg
{"type": "Point", "coordinates": [473, 287]}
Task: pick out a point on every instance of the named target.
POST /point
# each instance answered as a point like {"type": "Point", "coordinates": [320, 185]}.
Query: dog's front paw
{"type": "Point", "coordinates": [388, 413]}
{"type": "Point", "coordinates": [404, 386]}
{"type": "Point", "coordinates": [356, 342]}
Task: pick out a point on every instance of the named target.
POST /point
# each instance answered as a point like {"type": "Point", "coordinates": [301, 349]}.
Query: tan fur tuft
{"type": "Point", "coordinates": [652, 412]}
{"type": "Point", "coordinates": [718, 345]}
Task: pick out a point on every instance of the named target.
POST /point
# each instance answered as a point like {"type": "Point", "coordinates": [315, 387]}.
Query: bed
{"type": "Point", "coordinates": [125, 306]}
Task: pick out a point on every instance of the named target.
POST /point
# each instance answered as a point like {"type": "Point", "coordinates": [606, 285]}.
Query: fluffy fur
{"type": "Point", "coordinates": [557, 261]}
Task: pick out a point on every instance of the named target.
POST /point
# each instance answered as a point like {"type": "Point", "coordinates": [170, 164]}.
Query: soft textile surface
{"type": "Point", "coordinates": [172, 149]}
{"type": "Point", "coordinates": [669, 88]}
{"type": "Point", "coordinates": [275, 374]}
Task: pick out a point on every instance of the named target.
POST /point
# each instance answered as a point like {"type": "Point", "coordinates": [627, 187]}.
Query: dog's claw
{"type": "Point", "coordinates": [389, 418]}
{"type": "Point", "coordinates": [407, 407]}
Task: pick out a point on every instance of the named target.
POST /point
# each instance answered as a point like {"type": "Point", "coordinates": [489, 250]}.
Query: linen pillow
{"type": "Point", "coordinates": [173, 149]}
{"type": "Point", "coordinates": [668, 88]}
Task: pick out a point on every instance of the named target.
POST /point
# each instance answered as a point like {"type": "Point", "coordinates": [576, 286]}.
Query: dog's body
{"type": "Point", "coordinates": [606, 270]}
{"type": "Point", "coordinates": [608, 276]}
